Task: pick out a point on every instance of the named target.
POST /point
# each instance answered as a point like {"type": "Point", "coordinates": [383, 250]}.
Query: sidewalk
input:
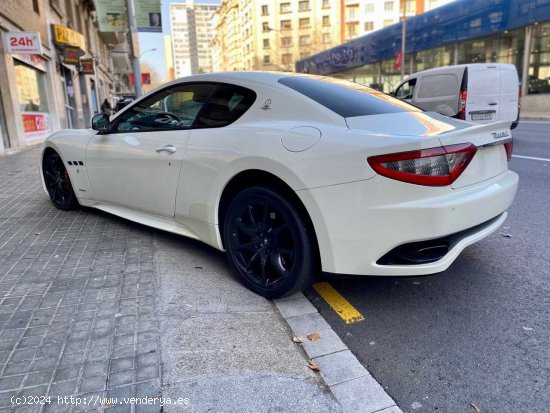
{"type": "Point", "coordinates": [100, 314]}
{"type": "Point", "coordinates": [93, 306]}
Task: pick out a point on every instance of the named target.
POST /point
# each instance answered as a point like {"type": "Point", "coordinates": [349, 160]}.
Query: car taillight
{"type": "Point", "coordinates": [431, 167]}
{"type": "Point", "coordinates": [509, 146]}
{"type": "Point", "coordinates": [462, 104]}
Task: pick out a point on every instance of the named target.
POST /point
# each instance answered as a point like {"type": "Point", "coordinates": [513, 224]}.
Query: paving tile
{"type": "Point", "coordinates": [327, 344]}
{"type": "Point", "coordinates": [339, 367]}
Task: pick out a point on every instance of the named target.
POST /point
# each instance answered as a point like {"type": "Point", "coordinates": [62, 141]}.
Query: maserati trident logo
{"type": "Point", "coordinates": [267, 105]}
{"type": "Point", "coordinates": [498, 135]}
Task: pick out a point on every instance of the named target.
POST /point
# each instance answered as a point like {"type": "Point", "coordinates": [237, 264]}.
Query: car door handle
{"type": "Point", "coordinates": [493, 104]}
{"type": "Point", "coordinates": [167, 148]}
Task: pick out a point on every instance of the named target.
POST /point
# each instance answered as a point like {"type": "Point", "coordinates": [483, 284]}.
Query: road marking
{"type": "Point", "coordinates": [531, 157]}
{"type": "Point", "coordinates": [339, 304]}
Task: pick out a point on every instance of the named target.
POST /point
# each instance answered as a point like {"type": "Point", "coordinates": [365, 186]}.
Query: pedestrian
{"type": "Point", "coordinates": [106, 107]}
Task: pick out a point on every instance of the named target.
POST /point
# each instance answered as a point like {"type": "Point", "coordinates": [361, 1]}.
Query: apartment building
{"type": "Point", "coordinates": [362, 17]}
{"type": "Point", "coordinates": [193, 28]}
{"type": "Point", "coordinates": [272, 35]}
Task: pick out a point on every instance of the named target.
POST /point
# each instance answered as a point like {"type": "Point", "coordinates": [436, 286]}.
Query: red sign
{"type": "Point", "coordinates": [35, 125]}
{"type": "Point", "coordinates": [145, 78]}
{"type": "Point", "coordinates": [398, 61]}
{"type": "Point", "coordinates": [23, 42]}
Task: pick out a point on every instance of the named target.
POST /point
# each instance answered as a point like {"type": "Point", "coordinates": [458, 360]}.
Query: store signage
{"type": "Point", "coordinates": [71, 55]}
{"type": "Point", "coordinates": [87, 66]}
{"type": "Point", "coordinates": [111, 15]}
{"type": "Point", "coordinates": [63, 36]}
{"type": "Point", "coordinates": [36, 125]}
{"type": "Point", "coordinates": [148, 16]}
{"type": "Point", "coordinates": [145, 78]}
{"type": "Point", "coordinates": [23, 42]}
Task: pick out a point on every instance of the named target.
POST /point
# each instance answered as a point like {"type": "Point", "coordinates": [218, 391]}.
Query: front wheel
{"type": "Point", "coordinates": [268, 243]}
{"type": "Point", "coordinates": [57, 182]}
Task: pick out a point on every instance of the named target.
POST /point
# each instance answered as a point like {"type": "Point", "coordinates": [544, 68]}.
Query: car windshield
{"type": "Point", "coordinates": [347, 99]}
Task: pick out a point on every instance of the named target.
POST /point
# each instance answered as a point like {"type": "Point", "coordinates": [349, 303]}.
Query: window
{"type": "Point", "coordinates": [326, 38]}
{"type": "Point", "coordinates": [388, 22]}
{"type": "Point", "coordinates": [406, 90]}
{"type": "Point", "coordinates": [326, 4]}
{"type": "Point", "coordinates": [305, 40]}
{"type": "Point", "coordinates": [369, 8]}
{"type": "Point", "coordinates": [303, 5]}
{"type": "Point", "coordinates": [388, 6]}
{"type": "Point", "coordinates": [265, 10]}
{"type": "Point", "coordinates": [353, 12]}
{"type": "Point", "coordinates": [347, 99]}
{"type": "Point", "coordinates": [352, 29]}
{"type": "Point", "coordinates": [169, 109]}
{"type": "Point", "coordinates": [227, 105]}
{"type": "Point", "coordinates": [286, 58]}
{"type": "Point", "coordinates": [31, 88]}
{"type": "Point", "coordinates": [304, 23]}
{"type": "Point", "coordinates": [286, 25]}
{"type": "Point", "coordinates": [265, 27]}
{"type": "Point", "coordinates": [266, 43]}
{"type": "Point", "coordinates": [369, 26]}
{"type": "Point", "coordinates": [285, 8]}
{"type": "Point", "coordinates": [326, 20]}
{"type": "Point", "coordinates": [35, 6]}
{"type": "Point", "coordinates": [303, 55]}
{"type": "Point", "coordinates": [286, 41]}
{"type": "Point", "coordinates": [266, 60]}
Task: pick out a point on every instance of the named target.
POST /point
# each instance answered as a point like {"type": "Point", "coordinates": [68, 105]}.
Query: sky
{"type": "Point", "coordinates": [149, 41]}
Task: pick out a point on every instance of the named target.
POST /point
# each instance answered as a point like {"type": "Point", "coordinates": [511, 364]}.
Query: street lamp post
{"type": "Point", "coordinates": [135, 59]}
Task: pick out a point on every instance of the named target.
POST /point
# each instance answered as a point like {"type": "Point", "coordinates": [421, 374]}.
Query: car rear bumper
{"type": "Point", "coordinates": [358, 223]}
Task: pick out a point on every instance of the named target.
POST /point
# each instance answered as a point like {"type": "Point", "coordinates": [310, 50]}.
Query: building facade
{"type": "Point", "coordinates": [192, 32]}
{"type": "Point", "coordinates": [63, 85]}
{"type": "Point", "coordinates": [508, 31]}
{"type": "Point", "coordinates": [272, 35]}
{"type": "Point", "coordinates": [366, 16]}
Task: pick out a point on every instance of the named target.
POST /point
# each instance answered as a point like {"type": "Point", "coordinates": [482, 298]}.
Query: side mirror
{"type": "Point", "coordinates": [100, 122]}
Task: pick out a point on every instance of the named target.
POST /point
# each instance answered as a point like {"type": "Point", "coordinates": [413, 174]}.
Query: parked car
{"type": "Point", "coordinates": [290, 175]}
{"type": "Point", "coordinates": [477, 92]}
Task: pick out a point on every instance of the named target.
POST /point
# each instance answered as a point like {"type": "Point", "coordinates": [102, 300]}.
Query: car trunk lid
{"type": "Point", "coordinates": [490, 159]}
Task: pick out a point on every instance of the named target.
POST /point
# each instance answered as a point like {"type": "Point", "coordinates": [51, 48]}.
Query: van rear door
{"type": "Point", "coordinates": [509, 89]}
{"type": "Point", "coordinates": [484, 100]}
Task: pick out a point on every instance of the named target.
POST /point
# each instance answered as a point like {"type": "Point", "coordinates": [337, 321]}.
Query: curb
{"type": "Point", "coordinates": [350, 383]}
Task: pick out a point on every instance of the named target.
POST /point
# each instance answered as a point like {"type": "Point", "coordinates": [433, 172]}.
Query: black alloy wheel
{"type": "Point", "coordinates": [268, 243]}
{"type": "Point", "coordinates": [58, 183]}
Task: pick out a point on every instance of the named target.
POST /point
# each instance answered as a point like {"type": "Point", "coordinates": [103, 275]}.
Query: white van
{"type": "Point", "coordinates": [477, 92]}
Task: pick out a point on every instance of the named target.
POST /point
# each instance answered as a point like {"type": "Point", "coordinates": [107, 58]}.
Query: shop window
{"type": "Point", "coordinates": [539, 61]}
{"type": "Point", "coordinates": [31, 88]}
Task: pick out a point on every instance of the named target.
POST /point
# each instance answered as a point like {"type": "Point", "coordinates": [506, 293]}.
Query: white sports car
{"type": "Point", "coordinates": [291, 174]}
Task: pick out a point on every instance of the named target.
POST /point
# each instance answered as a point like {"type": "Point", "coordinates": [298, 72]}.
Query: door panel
{"type": "Point", "coordinates": [483, 102]}
{"type": "Point", "coordinates": [137, 170]}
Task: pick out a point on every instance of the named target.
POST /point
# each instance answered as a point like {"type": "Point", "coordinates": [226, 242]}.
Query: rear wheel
{"type": "Point", "coordinates": [268, 243]}
{"type": "Point", "coordinates": [58, 183]}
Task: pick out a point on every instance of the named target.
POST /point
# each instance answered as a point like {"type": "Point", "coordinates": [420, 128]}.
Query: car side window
{"type": "Point", "coordinates": [228, 104]}
{"type": "Point", "coordinates": [406, 90]}
{"type": "Point", "coordinates": [170, 109]}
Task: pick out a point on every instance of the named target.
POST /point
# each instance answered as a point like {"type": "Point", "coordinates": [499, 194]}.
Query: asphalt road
{"type": "Point", "coordinates": [477, 334]}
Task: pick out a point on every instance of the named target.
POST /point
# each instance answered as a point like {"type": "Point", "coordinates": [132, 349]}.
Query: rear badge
{"type": "Point", "coordinates": [498, 135]}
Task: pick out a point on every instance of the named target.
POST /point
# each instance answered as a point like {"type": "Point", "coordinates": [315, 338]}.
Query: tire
{"type": "Point", "coordinates": [268, 243]}
{"type": "Point", "coordinates": [58, 182]}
